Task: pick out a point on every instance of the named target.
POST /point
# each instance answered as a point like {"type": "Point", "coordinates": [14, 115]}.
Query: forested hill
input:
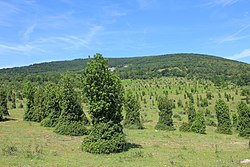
{"type": "Point", "coordinates": [214, 68]}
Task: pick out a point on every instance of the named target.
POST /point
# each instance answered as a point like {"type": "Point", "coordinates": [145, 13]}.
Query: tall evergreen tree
{"type": "Point", "coordinates": [198, 125]}
{"type": "Point", "coordinates": [13, 100]}
{"type": "Point", "coordinates": [190, 110]}
{"type": "Point", "coordinates": [105, 95]}
{"type": "Point", "coordinates": [52, 106]}
{"type": "Point", "coordinates": [191, 113]}
{"type": "Point", "coordinates": [223, 117]}
{"type": "Point", "coordinates": [3, 103]}
{"type": "Point", "coordinates": [71, 119]}
{"type": "Point", "coordinates": [243, 120]}
{"type": "Point", "coordinates": [132, 108]}
{"type": "Point", "coordinates": [39, 104]}
{"type": "Point", "coordinates": [29, 91]}
{"type": "Point", "coordinates": [165, 107]}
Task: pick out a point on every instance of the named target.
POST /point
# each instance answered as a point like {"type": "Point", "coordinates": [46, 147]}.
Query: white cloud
{"type": "Point", "coordinates": [145, 3]}
{"type": "Point", "coordinates": [20, 48]}
{"type": "Point", "coordinates": [28, 32]}
{"type": "Point", "coordinates": [235, 36]}
{"type": "Point", "coordinates": [69, 41]}
{"type": "Point", "coordinates": [245, 53]}
{"type": "Point", "coordinates": [223, 3]}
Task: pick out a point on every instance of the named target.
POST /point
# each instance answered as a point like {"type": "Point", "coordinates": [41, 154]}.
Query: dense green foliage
{"type": "Point", "coordinates": [165, 107]}
{"type": "Point", "coordinates": [104, 91]}
{"type": "Point", "coordinates": [52, 106]}
{"type": "Point", "coordinates": [105, 95]}
{"type": "Point", "coordinates": [132, 107]}
{"type": "Point", "coordinates": [105, 138]}
{"type": "Point", "coordinates": [13, 100]}
{"type": "Point", "coordinates": [217, 69]}
{"type": "Point", "coordinates": [244, 120]}
{"type": "Point", "coordinates": [190, 111]}
{"type": "Point", "coordinates": [72, 118]}
{"type": "Point", "coordinates": [3, 102]}
{"type": "Point", "coordinates": [198, 126]}
{"type": "Point", "coordinates": [29, 91]}
{"type": "Point", "coordinates": [39, 104]}
{"type": "Point", "coordinates": [223, 117]}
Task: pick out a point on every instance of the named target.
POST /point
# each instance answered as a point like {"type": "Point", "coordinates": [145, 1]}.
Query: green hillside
{"type": "Point", "coordinates": [214, 68]}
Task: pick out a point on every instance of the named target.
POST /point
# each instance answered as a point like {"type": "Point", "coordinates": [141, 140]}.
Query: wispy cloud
{"type": "Point", "coordinates": [8, 10]}
{"type": "Point", "coordinates": [145, 3]}
{"type": "Point", "coordinates": [235, 36]}
{"type": "Point", "coordinates": [19, 48]}
{"type": "Point", "coordinates": [28, 32]}
{"type": "Point", "coordinates": [245, 53]}
{"type": "Point", "coordinates": [223, 3]}
{"type": "Point", "coordinates": [71, 41]}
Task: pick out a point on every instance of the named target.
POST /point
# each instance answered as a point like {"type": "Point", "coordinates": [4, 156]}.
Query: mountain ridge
{"type": "Point", "coordinates": [215, 68]}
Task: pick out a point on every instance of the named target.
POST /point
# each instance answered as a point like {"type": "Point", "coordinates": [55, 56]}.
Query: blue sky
{"type": "Point", "coordinates": [33, 31]}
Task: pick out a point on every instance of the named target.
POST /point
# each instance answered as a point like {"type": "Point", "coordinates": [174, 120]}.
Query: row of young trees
{"type": "Point", "coordinates": [56, 106]}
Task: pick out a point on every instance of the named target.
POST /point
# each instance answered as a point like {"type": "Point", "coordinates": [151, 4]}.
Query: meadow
{"type": "Point", "coordinates": [25, 143]}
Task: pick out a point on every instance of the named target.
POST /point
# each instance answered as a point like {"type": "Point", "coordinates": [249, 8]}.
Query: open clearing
{"type": "Point", "coordinates": [38, 146]}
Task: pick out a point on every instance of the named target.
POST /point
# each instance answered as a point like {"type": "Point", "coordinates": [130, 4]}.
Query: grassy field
{"type": "Point", "coordinates": [29, 144]}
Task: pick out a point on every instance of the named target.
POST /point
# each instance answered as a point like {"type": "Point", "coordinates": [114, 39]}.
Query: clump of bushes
{"type": "Point", "coordinates": [105, 138]}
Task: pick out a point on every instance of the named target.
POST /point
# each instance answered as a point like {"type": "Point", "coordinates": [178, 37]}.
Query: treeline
{"type": "Point", "coordinates": [216, 69]}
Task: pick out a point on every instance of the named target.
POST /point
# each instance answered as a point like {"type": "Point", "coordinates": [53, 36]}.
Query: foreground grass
{"type": "Point", "coordinates": [28, 144]}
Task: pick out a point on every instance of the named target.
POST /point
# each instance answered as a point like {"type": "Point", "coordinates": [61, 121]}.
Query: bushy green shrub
{"type": "Point", "coordinates": [104, 91]}
{"type": "Point", "coordinates": [132, 109]}
{"type": "Point", "coordinates": [72, 128]}
{"type": "Point", "coordinates": [39, 109]}
{"type": "Point", "coordinates": [70, 122]}
{"type": "Point", "coordinates": [105, 95]}
{"type": "Point", "coordinates": [244, 120]}
{"type": "Point", "coordinates": [198, 126]}
{"type": "Point", "coordinates": [210, 122]}
{"type": "Point", "coordinates": [223, 117]}
{"type": "Point", "coordinates": [1, 116]}
{"type": "Point", "coordinates": [177, 116]}
{"type": "Point", "coordinates": [165, 107]}
{"type": "Point", "coordinates": [185, 127]}
{"type": "Point", "coordinates": [3, 102]}
{"type": "Point", "coordinates": [52, 106]}
{"type": "Point", "coordinates": [235, 120]}
{"type": "Point", "coordinates": [191, 112]}
{"type": "Point", "coordinates": [105, 138]}
{"type": "Point", "coordinates": [29, 91]}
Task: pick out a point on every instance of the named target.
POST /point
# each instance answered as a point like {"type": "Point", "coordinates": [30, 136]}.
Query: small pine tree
{"type": "Point", "coordinates": [13, 98]}
{"type": "Point", "coordinates": [223, 117]}
{"type": "Point", "coordinates": [191, 113]}
{"type": "Point", "coordinates": [52, 106]}
{"type": "Point", "coordinates": [199, 126]}
{"type": "Point", "coordinates": [165, 121]}
{"type": "Point", "coordinates": [70, 121]}
{"type": "Point", "coordinates": [179, 103]}
{"type": "Point", "coordinates": [235, 120]}
{"type": "Point", "coordinates": [244, 120]}
{"type": "Point", "coordinates": [132, 108]}
{"type": "Point", "coordinates": [29, 91]}
{"type": "Point", "coordinates": [3, 103]}
{"type": "Point", "coordinates": [39, 106]}
{"type": "Point", "coordinates": [190, 110]}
